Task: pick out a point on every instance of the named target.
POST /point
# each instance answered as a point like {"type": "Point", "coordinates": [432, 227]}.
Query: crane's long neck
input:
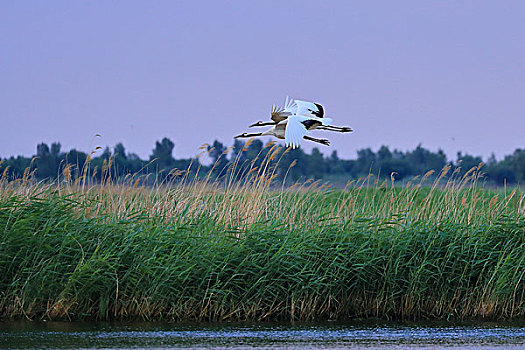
{"type": "Point", "coordinates": [264, 123]}
{"type": "Point", "coordinates": [250, 135]}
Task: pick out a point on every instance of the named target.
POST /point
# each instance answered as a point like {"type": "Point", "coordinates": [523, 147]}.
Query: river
{"type": "Point", "coordinates": [81, 335]}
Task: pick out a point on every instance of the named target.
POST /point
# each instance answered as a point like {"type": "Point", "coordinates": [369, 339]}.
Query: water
{"type": "Point", "coordinates": [75, 335]}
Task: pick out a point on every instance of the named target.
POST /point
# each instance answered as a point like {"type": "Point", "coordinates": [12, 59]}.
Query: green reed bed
{"type": "Point", "coordinates": [201, 250]}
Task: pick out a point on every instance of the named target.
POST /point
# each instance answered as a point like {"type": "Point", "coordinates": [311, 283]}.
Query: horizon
{"type": "Point", "coordinates": [445, 75]}
{"type": "Point", "coordinates": [100, 149]}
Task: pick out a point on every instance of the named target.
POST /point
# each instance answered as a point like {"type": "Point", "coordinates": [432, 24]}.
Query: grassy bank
{"type": "Point", "coordinates": [201, 250]}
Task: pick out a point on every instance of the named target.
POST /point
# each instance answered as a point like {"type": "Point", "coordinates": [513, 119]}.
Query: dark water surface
{"type": "Point", "coordinates": [78, 335]}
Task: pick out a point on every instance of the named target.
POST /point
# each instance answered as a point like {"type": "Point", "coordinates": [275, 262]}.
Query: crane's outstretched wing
{"type": "Point", "coordinates": [281, 113]}
{"type": "Point", "coordinates": [277, 114]}
{"type": "Point", "coordinates": [306, 108]}
{"type": "Point", "coordinates": [295, 130]}
{"type": "Point", "coordinates": [290, 106]}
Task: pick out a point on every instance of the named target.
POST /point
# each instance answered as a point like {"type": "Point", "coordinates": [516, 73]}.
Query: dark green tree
{"type": "Point", "coordinates": [119, 151]}
{"type": "Point", "coordinates": [77, 159]}
{"type": "Point", "coordinates": [366, 161]}
{"type": "Point", "coordinates": [466, 162]}
{"type": "Point", "coordinates": [45, 162]}
{"type": "Point", "coordinates": [217, 152]}
{"type": "Point", "coordinates": [163, 153]}
{"type": "Point", "coordinates": [334, 164]}
{"type": "Point", "coordinates": [422, 160]}
{"type": "Point", "coordinates": [121, 163]}
{"type": "Point", "coordinates": [316, 164]}
{"type": "Point", "coordinates": [293, 165]}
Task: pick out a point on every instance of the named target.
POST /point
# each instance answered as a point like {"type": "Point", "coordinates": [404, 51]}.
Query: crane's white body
{"type": "Point", "coordinates": [279, 130]}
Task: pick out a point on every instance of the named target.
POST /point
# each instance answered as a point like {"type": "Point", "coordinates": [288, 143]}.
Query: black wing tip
{"type": "Point", "coordinates": [320, 107]}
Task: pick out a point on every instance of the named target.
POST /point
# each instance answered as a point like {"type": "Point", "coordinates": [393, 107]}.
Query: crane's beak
{"type": "Point", "coordinates": [347, 129]}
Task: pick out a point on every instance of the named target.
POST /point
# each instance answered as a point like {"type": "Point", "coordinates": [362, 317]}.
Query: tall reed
{"type": "Point", "coordinates": [245, 248]}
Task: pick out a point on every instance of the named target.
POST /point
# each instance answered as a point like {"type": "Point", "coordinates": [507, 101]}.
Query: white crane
{"type": "Point", "coordinates": [304, 108]}
{"type": "Point", "coordinates": [293, 122]}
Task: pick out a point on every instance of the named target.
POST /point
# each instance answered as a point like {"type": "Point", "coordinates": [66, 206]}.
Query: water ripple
{"type": "Point", "coordinates": [153, 336]}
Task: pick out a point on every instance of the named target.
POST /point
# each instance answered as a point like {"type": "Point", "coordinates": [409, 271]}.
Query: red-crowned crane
{"type": "Point", "coordinates": [304, 108]}
{"type": "Point", "coordinates": [293, 121]}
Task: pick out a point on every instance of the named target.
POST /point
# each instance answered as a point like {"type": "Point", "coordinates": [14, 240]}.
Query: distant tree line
{"type": "Point", "coordinates": [49, 163]}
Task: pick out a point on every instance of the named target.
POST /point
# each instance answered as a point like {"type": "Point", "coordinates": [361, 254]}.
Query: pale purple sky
{"type": "Point", "coordinates": [447, 74]}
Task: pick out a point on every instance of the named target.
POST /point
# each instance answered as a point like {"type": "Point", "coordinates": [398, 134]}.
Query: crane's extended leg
{"type": "Point", "coordinates": [321, 141]}
{"type": "Point", "coordinates": [335, 128]}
